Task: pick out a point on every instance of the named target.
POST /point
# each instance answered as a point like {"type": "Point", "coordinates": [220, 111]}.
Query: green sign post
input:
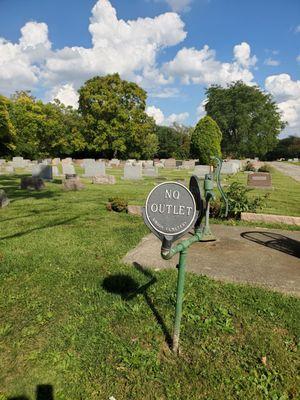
{"type": "Point", "coordinates": [171, 210]}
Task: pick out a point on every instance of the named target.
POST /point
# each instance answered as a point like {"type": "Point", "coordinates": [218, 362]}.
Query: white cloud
{"type": "Point", "coordinates": [176, 118]}
{"type": "Point", "coordinates": [242, 54]}
{"type": "Point", "coordinates": [160, 118]}
{"type": "Point", "coordinates": [297, 29]}
{"type": "Point", "coordinates": [179, 5]}
{"type": "Point", "coordinates": [287, 94]}
{"type": "Point", "coordinates": [156, 113]}
{"type": "Point", "coordinates": [66, 94]}
{"type": "Point", "coordinates": [19, 63]}
{"type": "Point", "coordinates": [201, 67]}
{"type": "Point", "coordinates": [127, 47]}
{"type": "Point", "coordinates": [298, 58]}
{"type": "Point", "coordinates": [271, 62]}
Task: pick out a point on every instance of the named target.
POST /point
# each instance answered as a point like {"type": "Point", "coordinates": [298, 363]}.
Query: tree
{"type": "Point", "coordinates": [248, 118]}
{"type": "Point", "coordinates": [7, 130]}
{"type": "Point", "coordinates": [173, 141]}
{"type": "Point", "coordinates": [286, 148]}
{"type": "Point", "coordinates": [116, 121]}
{"type": "Point", "coordinates": [206, 140]}
{"type": "Point", "coordinates": [45, 130]}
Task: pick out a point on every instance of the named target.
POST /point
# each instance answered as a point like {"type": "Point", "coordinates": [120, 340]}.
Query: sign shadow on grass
{"type": "Point", "coordinates": [274, 241]}
{"type": "Point", "coordinates": [128, 288]}
{"type": "Point", "coordinates": [43, 392]}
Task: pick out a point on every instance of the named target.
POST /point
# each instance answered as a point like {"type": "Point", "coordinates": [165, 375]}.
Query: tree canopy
{"type": "Point", "coordinates": [116, 122]}
{"type": "Point", "coordinates": [7, 130]}
{"type": "Point", "coordinates": [173, 141]}
{"type": "Point", "coordinates": [206, 140]}
{"type": "Point", "coordinates": [286, 148]}
{"type": "Point", "coordinates": [248, 118]}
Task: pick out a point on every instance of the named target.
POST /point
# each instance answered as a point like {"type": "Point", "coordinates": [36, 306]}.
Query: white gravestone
{"type": "Point", "coordinates": [42, 171]}
{"type": "Point", "coordinates": [94, 169]}
{"type": "Point", "coordinates": [132, 172]}
{"type": "Point", "coordinates": [68, 169]}
{"type": "Point", "coordinates": [201, 170]}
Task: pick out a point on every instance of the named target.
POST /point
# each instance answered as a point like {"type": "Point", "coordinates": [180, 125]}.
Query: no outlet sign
{"type": "Point", "coordinates": [170, 208]}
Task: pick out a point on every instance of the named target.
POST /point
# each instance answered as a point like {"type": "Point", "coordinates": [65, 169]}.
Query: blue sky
{"type": "Point", "coordinates": [173, 48]}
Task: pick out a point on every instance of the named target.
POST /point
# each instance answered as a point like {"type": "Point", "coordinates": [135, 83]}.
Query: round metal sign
{"type": "Point", "coordinates": [170, 208]}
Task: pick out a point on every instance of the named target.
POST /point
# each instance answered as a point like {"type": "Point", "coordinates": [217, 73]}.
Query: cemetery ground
{"type": "Point", "coordinates": [73, 316]}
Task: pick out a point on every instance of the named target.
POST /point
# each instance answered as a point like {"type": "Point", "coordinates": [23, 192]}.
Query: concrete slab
{"type": "Point", "coordinates": [263, 257]}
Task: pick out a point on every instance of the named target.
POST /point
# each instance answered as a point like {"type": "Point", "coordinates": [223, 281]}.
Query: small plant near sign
{"type": "Point", "coordinates": [265, 168]}
{"type": "Point", "coordinates": [238, 202]}
{"type": "Point", "coordinates": [117, 204]}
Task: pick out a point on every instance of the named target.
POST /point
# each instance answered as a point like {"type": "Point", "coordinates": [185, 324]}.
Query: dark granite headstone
{"type": "Point", "coordinates": [260, 180]}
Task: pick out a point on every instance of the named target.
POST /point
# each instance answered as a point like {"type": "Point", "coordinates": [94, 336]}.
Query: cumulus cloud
{"type": "Point", "coordinates": [66, 94]}
{"type": "Point", "coordinates": [287, 94]}
{"type": "Point", "coordinates": [160, 118]}
{"type": "Point", "coordinates": [19, 62]}
{"type": "Point", "coordinates": [179, 5]}
{"type": "Point", "coordinates": [202, 67]}
{"type": "Point", "coordinates": [271, 62]}
{"type": "Point", "coordinates": [127, 47]}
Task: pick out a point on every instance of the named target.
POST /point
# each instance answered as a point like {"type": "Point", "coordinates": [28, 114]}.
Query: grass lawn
{"type": "Point", "coordinates": [74, 317]}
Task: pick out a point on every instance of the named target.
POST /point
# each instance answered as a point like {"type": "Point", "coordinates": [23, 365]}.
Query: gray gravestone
{"type": "Point", "coordinates": [170, 209]}
{"type": "Point", "coordinates": [18, 162]}
{"type": "Point", "coordinates": [150, 171]}
{"type": "Point", "coordinates": [201, 170]}
{"type": "Point", "coordinates": [94, 169]}
{"type": "Point", "coordinates": [43, 171]}
{"type": "Point", "coordinates": [68, 169]}
{"type": "Point", "coordinates": [4, 201]}
{"type": "Point", "coordinates": [132, 172]}
{"type": "Point", "coordinates": [170, 163]}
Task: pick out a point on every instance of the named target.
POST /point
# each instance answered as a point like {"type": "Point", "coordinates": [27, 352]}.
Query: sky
{"type": "Point", "coordinates": [174, 49]}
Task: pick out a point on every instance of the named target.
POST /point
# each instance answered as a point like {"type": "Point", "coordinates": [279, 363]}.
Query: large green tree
{"type": "Point", "coordinates": [174, 141]}
{"type": "Point", "coordinates": [286, 148]}
{"type": "Point", "coordinates": [45, 130]}
{"type": "Point", "coordinates": [248, 118]}
{"type": "Point", "coordinates": [116, 122]}
{"type": "Point", "coordinates": [7, 130]}
{"type": "Point", "coordinates": [206, 140]}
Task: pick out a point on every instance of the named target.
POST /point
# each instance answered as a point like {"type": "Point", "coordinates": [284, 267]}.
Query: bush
{"type": "Point", "coordinates": [249, 167]}
{"type": "Point", "coordinates": [265, 168]}
{"type": "Point", "coordinates": [206, 140]}
{"type": "Point", "coordinates": [238, 202]}
{"type": "Point", "coordinates": [117, 204]}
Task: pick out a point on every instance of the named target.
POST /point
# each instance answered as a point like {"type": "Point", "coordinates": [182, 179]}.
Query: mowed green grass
{"type": "Point", "coordinates": [72, 316]}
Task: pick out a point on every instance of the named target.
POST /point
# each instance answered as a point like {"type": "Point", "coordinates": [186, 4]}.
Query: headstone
{"type": "Point", "coordinates": [55, 161]}
{"type": "Point", "coordinates": [229, 168]}
{"type": "Point", "coordinates": [94, 169]}
{"type": "Point", "coordinates": [42, 171]}
{"type": "Point", "coordinates": [32, 183]}
{"type": "Point", "coordinates": [260, 180]}
{"type": "Point", "coordinates": [170, 163]}
{"type": "Point", "coordinates": [104, 179]}
{"type": "Point", "coordinates": [294, 159]}
{"type": "Point", "coordinates": [88, 161]}
{"type": "Point", "coordinates": [68, 169]}
{"type": "Point", "coordinates": [73, 184]}
{"type": "Point", "coordinates": [188, 164]}
{"type": "Point", "coordinates": [114, 162]}
{"type": "Point", "coordinates": [9, 169]}
{"type": "Point", "coordinates": [201, 170]}
{"type": "Point", "coordinates": [150, 171]}
{"type": "Point", "coordinates": [132, 172]}
{"type": "Point", "coordinates": [18, 162]}
{"type": "Point", "coordinates": [134, 210]}
{"type": "Point", "coordinates": [170, 209]}
{"type": "Point", "coordinates": [4, 201]}
{"type": "Point", "coordinates": [2, 161]}
{"type": "Point", "coordinates": [178, 163]}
